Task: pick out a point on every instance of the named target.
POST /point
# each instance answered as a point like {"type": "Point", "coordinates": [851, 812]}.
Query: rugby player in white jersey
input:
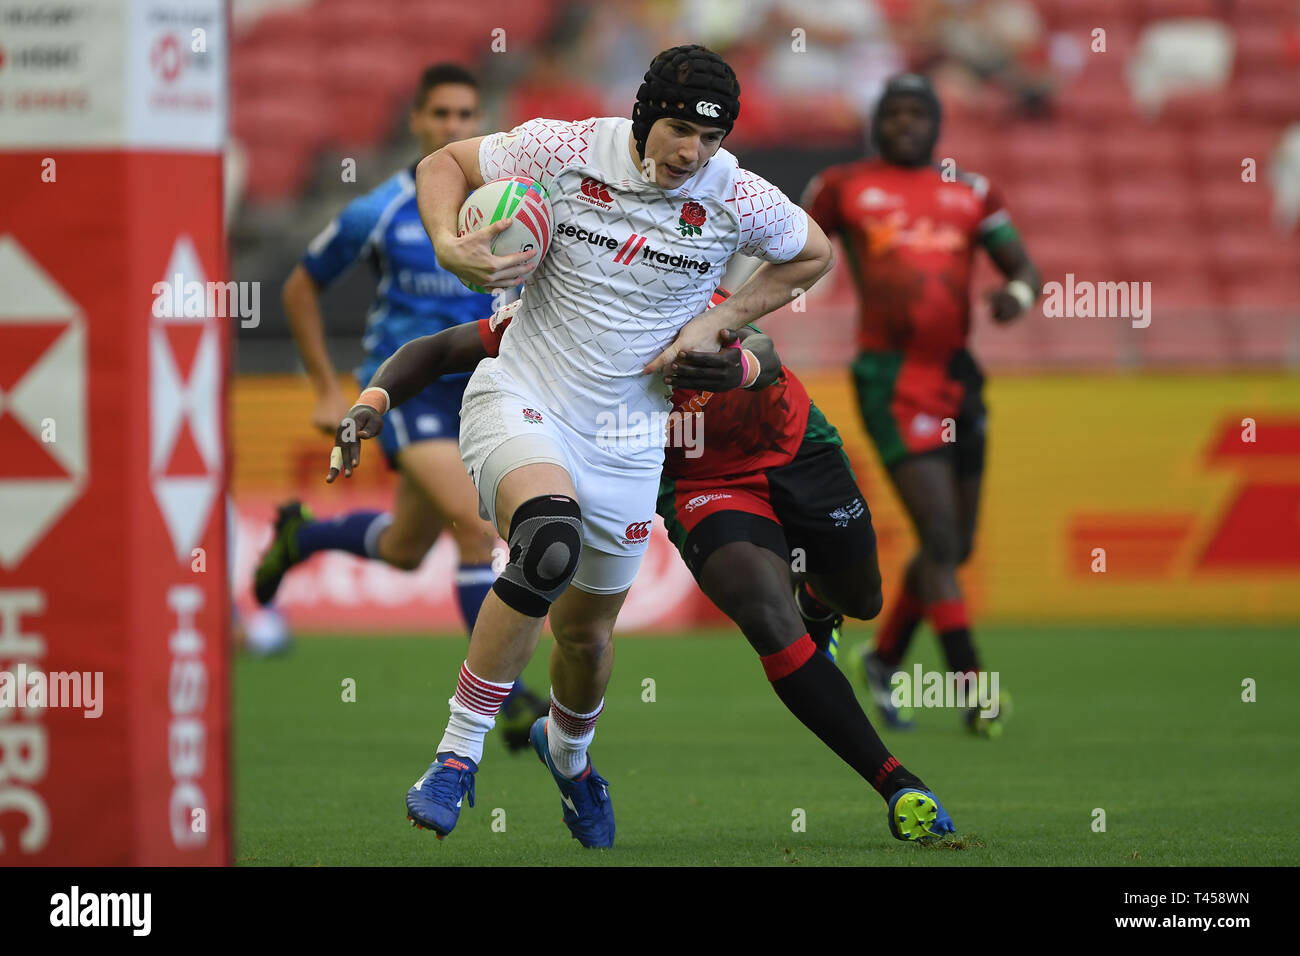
{"type": "Point", "coordinates": [648, 213]}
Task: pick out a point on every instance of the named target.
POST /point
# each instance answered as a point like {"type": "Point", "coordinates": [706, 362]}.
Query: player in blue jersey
{"type": "Point", "coordinates": [415, 296]}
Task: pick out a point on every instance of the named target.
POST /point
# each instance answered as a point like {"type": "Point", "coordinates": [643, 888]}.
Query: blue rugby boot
{"type": "Point", "coordinates": [433, 802]}
{"type": "Point", "coordinates": [588, 813]}
{"type": "Point", "coordinates": [918, 815]}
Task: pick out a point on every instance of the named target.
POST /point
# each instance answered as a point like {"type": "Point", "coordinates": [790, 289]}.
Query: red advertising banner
{"type": "Point", "coordinates": [112, 517]}
{"type": "Point", "coordinates": [114, 597]}
{"type": "Point", "coordinates": [338, 592]}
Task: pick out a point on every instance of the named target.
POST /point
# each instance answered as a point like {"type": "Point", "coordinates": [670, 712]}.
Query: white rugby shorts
{"type": "Point", "coordinates": [502, 429]}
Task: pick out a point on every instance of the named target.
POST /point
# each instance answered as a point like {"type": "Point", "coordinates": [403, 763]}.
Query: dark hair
{"type": "Point", "coordinates": [441, 74]}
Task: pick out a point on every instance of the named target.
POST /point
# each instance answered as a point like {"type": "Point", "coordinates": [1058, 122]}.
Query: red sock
{"type": "Point", "coordinates": [786, 662]}
{"type": "Point", "coordinates": [948, 615]}
{"type": "Point", "coordinates": [896, 634]}
{"type": "Point", "coordinates": [951, 623]}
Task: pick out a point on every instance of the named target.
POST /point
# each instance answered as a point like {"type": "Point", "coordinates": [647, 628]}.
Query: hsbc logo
{"type": "Point", "coordinates": [166, 58]}
{"type": "Point", "coordinates": [710, 110]}
{"type": "Point", "coordinates": [43, 426]}
{"type": "Point", "coordinates": [595, 193]}
{"type": "Point", "coordinates": [185, 443]}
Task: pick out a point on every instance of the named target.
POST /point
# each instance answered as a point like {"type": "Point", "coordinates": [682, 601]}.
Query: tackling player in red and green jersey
{"type": "Point", "coordinates": [910, 229]}
{"type": "Point", "coordinates": [754, 482]}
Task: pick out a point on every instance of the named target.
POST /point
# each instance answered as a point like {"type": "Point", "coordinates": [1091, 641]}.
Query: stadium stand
{"type": "Point", "coordinates": [1098, 186]}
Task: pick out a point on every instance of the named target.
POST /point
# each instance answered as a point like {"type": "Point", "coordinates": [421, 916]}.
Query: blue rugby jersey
{"type": "Point", "coordinates": [415, 295]}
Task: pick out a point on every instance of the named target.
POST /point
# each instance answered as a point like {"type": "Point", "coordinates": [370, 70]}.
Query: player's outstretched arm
{"type": "Point", "coordinates": [771, 286]}
{"type": "Point", "coordinates": [747, 360]}
{"type": "Point", "coordinates": [421, 362]}
{"type": "Point", "coordinates": [417, 364]}
{"type": "Point", "coordinates": [443, 180]}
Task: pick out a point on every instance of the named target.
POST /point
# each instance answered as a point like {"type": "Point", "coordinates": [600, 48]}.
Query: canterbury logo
{"type": "Point", "coordinates": [710, 110]}
{"type": "Point", "coordinates": [638, 530]}
{"type": "Point", "coordinates": [595, 189]}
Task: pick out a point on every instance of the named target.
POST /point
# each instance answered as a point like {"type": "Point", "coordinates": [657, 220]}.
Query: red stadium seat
{"type": "Point", "coordinates": [345, 22]}
{"type": "Point", "coordinates": [1260, 47]}
{"type": "Point", "coordinates": [1269, 10]}
{"type": "Point", "coordinates": [278, 31]}
{"type": "Point", "coordinates": [1097, 104]}
{"type": "Point", "coordinates": [1186, 335]}
{"type": "Point", "coordinates": [1055, 255]}
{"type": "Point", "coordinates": [981, 155]}
{"type": "Point", "coordinates": [1217, 152]}
{"type": "Point", "coordinates": [364, 69]}
{"type": "Point", "coordinates": [1273, 98]}
{"type": "Point", "coordinates": [261, 71]}
{"type": "Point", "coordinates": [1276, 291]}
{"type": "Point", "coordinates": [1092, 13]}
{"type": "Point", "coordinates": [1142, 150]}
{"type": "Point", "coordinates": [269, 119]}
{"type": "Point", "coordinates": [1039, 208]}
{"type": "Point", "coordinates": [1252, 252]}
{"type": "Point", "coordinates": [462, 25]}
{"type": "Point", "coordinates": [1079, 341]}
{"type": "Point", "coordinates": [276, 171]}
{"type": "Point", "coordinates": [1229, 203]}
{"type": "Point", "coordinates": [358, 118]}
{"type": "Point", "coordinates": [1201, 108]}
{"type": "Point", "coordinates": [1055, 153]}
{"type": "Point", "coordinates": [1178, 9]}
{"type": "Point", "coordinates": [1151, 202]}
{"type": "Point", "coordinates": [1144, 258]}
{"type": "Point", "coordinates": [1182, 288]}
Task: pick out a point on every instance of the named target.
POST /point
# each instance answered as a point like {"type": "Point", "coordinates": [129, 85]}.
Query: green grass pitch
{"type": "Point", "coordinates": [1147, 724]}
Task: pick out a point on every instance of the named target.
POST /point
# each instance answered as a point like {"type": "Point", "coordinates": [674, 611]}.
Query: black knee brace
{"type": "Point", "coordinates": [545, 543]}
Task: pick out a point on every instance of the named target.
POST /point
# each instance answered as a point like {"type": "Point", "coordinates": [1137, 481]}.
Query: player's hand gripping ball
{"type": "Point", "coordinates": [522, 199]}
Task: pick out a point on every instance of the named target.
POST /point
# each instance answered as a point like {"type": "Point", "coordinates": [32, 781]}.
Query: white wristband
{"type": "Point", "coordinates": [1022, 292]}
{"type": "Point", "coordinates": [388, 402]}
{"type": "Point", "coordinates": [758, 370]}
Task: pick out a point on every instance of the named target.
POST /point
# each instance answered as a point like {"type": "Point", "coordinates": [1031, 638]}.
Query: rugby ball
{"type": "Point", "coordinates": [523, 199]}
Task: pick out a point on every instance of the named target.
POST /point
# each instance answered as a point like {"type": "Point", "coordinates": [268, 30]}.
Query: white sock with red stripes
{"type": "Point", "coordinates": [473, 714]}
{"type": "Point", "coordinates": [569, 734]}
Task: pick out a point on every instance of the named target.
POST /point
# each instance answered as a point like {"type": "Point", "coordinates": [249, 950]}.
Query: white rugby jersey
{"type": "Point", "coordinates": [630, 264]}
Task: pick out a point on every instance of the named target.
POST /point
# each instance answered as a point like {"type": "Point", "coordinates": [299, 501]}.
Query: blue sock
{"type": "Point", "coordinates": [473, 582]}
{"type": "Point", "coordinates": [356, 532]}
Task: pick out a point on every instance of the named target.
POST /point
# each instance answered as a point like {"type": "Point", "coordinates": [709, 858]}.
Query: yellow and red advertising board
{"type": "Point", "coordinates": [1153, 473]}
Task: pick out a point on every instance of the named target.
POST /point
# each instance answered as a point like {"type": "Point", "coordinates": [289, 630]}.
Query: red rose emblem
{"type": "Point", "coordinates": [692, 218]}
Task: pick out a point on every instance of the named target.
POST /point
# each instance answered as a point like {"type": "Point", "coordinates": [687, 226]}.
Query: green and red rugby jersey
{"type": "Point", "coordinates": [910, 237]}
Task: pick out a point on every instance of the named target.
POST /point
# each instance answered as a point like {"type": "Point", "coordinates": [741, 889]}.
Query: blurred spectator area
{"type": "Point", "coordinates": [1118, 164]}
